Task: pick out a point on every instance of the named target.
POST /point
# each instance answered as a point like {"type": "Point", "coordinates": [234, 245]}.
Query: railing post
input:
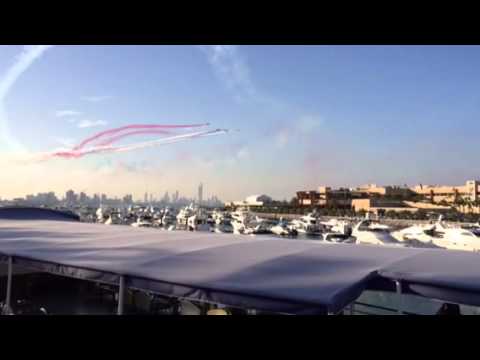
{"type": "Point", "coordinates": [398, 286]}
{"type": "Point", "coordinates": [121, 295]}
{"type": "Point", "coordinates": [8, 297]}
{"type": "Point", "coordinates": [352, 308]}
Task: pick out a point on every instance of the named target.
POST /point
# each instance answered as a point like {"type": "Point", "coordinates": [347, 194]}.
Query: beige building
{"type": "Point", "coordinates": [380, 206]}
{"type": "Point", "coordinates": [373, 189]}
{"type": "Point", "coordinates": [469, 191]}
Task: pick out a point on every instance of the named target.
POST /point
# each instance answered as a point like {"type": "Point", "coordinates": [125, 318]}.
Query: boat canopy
{"type": "Point", "coordinates": [265, 273]}
{"type": "Point", "coordinates": [36, 213]}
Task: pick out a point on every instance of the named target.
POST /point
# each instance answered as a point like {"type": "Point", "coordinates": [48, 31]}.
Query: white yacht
{"type": "Point", "coordinates": [114, 219]}
{"type": "Point", "coordinates": [283, 229]}
{"type": "Point", "coordinates": [256, 225]}
{"type": "Point", "coordinates": [370, 232]}
{"type": "Point", "coordinates": [99, 214]}
{"type": "Point", "coordinates": [169, 219]}
{"type": "Point", "coordinates": [198, 221]}
{"type": "Point", "coordinates": [225, 226]}
{"type": "Point", "coordinates": [456, 238]}
{"type": "Point", "coordinates": [240, 221]}
{"type": "Point", "coordinates": [337, 226]}
{"type": "Point", "coordinates": [307, 224]}
{"type": "Point", "coordinates": [183, 215]}
{"type": "Point", "coordinates": [336, 237]}
{"type": "Point", "coordinates": [418, 235]}
{"type": "Point", "coordinates": [142, 222]}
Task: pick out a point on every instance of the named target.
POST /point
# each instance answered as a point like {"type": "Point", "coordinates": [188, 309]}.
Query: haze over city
{"type": "Point", "coordinates": [305, 115]}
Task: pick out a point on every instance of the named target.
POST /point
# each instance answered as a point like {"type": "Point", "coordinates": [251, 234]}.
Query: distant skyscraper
{"type": "Point", "coordinates": [200, 193]}
{"type": "Point", "coordinates": [145, 198]}
{"type": "Point", "coordinates": [70, 197]}
{"type": "Point", "coordinates": [128, 199]}
{"type": "Point", "coordinates": [166, 198]}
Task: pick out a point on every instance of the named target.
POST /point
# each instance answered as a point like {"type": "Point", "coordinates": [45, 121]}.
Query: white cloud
{"type": "Point", "coordinates": [67, 113]}
{"type": "Point", "coordinates": [232, 69]}
{"type": "Point", "coordinates": [96, 98]}
{"type": "Point", "coordinates": [90, 123]}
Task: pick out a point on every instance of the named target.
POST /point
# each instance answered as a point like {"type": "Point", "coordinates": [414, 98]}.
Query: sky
{"type": "Point", "coordinates": [304, 116]}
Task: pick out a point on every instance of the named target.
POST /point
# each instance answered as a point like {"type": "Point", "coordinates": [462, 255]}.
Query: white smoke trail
{"type": "Point", "coordinates": [169, 140]}
{"type": "Point", "coordinates": [28, 55]}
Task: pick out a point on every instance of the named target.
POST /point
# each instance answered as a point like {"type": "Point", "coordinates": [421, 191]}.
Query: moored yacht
{"type": "Point", "coordinates": [283, 229]}
{"type": "Point", "coordinates": [456, 238]}
{"type": "Point", "coordinates": [142, 221]}
{"type": "Point", "coordinates": [198, 221]}
{"type": "Point", "coordinates": [370, 232]}
{"type": "Point", "coordinates": [307, 224]}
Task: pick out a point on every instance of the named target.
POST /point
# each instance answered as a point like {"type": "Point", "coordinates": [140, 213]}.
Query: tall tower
{"type": "Point", "coordinates": [200, 194]}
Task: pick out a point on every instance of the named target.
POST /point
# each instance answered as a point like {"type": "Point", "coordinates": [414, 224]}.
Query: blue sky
{"type": "Point", "coordinates": [306, 115]}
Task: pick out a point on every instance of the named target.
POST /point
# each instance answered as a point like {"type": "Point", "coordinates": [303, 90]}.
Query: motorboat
{"type": "Point", "coordinates": [307, 224]}
{"type": "Point", "coordinates": [183, 216]}
{"type": "Point", "coordinates": [337, 237]}
{"type": "Point", "coordinates": [337, 227]}
{"type": "Point", "coordinates": [418, 235]}
{"type": "Point", "coordinates": [282, 229]}
{"type": "Point", "coordinates": [114, 219]}
{"type": "Point", "coordinates": [168, 218]}
{"type": "Point", "coordinates": [198, 221]}
{"type": "Point", "coordinates": [368, 232]}
{"type": "Point", "coordinates": [224, 226]}
{"type": "Point", "coordinates": [240, 221]}
{"type": "Point", "coordinates": [100, 215]}
{"type": "Point", "coordinates": [455, 238]}
{"type": "Point", "coordinates": [142, 221]}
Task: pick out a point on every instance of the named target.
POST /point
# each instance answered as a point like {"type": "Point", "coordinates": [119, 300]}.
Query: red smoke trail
{"type": "Point", "coordinates": [128, 127]}
{"type": "Point", "coordinates": [138, 132]}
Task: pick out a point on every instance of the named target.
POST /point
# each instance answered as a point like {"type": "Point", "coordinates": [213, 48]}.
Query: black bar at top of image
{"type": "Point", "coordinates": [238, 26]}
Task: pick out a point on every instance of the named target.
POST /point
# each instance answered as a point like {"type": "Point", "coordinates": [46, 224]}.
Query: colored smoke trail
{"type": "Point", "coordinates": [137, 132]}
{"type": "Point", "coordinates": [78, 153]}
{"type": "Point", "coordinates": [169, 140]}
{"type": "Point", "coordinates": [133, 127]}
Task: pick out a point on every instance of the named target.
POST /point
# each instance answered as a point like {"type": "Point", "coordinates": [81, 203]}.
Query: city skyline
{"type": "Point", "coordinates": [305, 115]}
{"type": "Point", "coordinates": [71, 197]}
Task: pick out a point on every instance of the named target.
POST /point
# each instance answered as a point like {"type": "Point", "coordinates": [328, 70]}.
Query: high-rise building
{"type": "Point", "coordinates": [70, 197]}
{"type": "Point", "coordinates": [166, 198]}
{"type": "Point", "coordinates": [200, 193]}
{"type": "Point", "coordinates": [128, 199]}
{"type": "Point", "coordinates": [83, 197]}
